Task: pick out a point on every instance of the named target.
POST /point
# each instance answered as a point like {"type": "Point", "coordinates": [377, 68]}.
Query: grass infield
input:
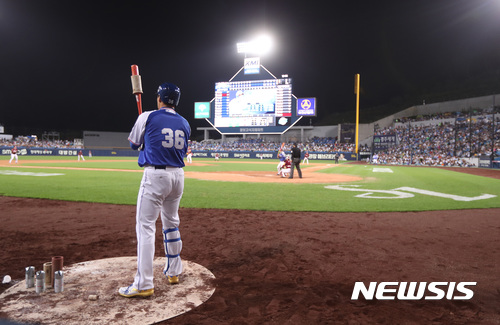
{"type": "Point", "coordinates": [382, 188]}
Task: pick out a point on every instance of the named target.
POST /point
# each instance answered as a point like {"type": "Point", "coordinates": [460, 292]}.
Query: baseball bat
{"type": "Point", "coordinates": [137, 87]}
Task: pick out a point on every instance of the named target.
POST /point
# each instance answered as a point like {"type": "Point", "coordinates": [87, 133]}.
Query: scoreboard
{"type": "Point", "coordinates": [252, 103]}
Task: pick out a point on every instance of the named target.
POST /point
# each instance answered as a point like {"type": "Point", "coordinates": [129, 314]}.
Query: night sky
{"type": "Point", "coordinates": [66, 64]}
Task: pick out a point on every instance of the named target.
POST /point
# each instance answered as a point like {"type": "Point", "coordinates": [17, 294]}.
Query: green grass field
{"type": "Point", "coordinates": [383, 188]}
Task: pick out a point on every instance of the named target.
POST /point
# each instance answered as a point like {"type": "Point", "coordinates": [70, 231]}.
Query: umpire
{"type": "Point", "coordinates": [295, 160]}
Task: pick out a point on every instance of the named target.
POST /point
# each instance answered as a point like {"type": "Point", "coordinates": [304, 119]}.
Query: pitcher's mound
{"type": "Point", "coordinates": [100, 280]}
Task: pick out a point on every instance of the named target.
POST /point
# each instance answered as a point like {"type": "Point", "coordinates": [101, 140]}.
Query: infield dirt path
{"type": "Point", "coordinates": [309, 173]}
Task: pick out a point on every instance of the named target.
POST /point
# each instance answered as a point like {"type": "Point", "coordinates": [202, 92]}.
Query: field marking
{"type": "Point", "coordinates": [18, 173]}
{"type": "Point", "coordinates": [368, 193]}
{"type": "Point", "coordinates": [401, 193]}
{"type": "Point", "coordinates": [382, 170]}
{"type": "Point", "coordinates": [448, 196]}
{"type": "Point", "coordinates": [82, 168]}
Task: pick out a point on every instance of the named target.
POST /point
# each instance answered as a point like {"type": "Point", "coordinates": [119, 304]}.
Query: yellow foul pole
{"type": "Point", "coordinates": [356, 91]}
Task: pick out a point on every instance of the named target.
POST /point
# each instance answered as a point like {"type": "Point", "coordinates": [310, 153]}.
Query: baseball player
{"type": "Point", "coordinates": [285, 171]}
{"type": "Point", "coordinates": [162, 137]}
{"type": "Point", "coordinates": [306, 158]}
{"type": "Point", "coordinates": [80, 155]}
{"type": "Point", "coordinates": [13, 155]}
{"type": "Point", "coordinates": [281, 157]}
{"type": "Point", "coordinates": [189, 156]}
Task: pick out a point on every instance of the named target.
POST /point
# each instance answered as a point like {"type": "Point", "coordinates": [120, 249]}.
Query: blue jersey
{"type": "Point", "coordinates": [163, 135]}
{"type": "Point", "coordinates": [282, 156]}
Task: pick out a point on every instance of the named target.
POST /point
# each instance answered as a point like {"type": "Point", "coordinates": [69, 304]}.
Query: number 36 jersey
{"type": "Point", "coordinates": [163, 135]}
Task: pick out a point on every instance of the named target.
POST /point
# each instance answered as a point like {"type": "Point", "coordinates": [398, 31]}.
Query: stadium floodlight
{"type": "Point", "coordinates": [261, 45]}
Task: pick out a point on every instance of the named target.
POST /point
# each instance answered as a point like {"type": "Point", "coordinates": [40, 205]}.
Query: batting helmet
{"type": "Point", "coordinates": [169, 93]}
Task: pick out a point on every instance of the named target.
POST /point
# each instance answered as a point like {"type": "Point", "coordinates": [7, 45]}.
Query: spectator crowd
{"type": "Point", "coordinates": [440, 142]}
{"type": "Point", "coordinates": [30, 142]}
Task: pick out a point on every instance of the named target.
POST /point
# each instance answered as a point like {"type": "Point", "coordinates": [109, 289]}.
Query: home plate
{"type": "Point", "coordinates": [100, 280]}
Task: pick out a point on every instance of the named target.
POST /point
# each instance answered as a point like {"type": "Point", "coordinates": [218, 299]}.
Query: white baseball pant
{"type": "Point", "coordinates": [159, 194]}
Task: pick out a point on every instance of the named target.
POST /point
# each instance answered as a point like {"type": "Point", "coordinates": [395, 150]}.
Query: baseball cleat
{"type": "Point", "coordinates": [173, 279]}
{"type": "Point", "coordinates": [130, 292]}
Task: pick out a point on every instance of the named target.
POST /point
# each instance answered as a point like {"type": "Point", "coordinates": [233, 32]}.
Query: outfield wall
{"type": "Point", "coordinates": [68, 152]}
{"type": "Point", "coordinates": [269, 155]}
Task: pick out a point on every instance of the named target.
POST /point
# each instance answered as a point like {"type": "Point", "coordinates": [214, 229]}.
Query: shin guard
{"type": "Point", "coordinates": [173, 246]}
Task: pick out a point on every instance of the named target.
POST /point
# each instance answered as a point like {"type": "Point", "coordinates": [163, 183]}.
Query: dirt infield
{"type": "Point", "coordinates": [283, 267]}
{"type": "Point", "coordinates": [309, 174]}
{"type": "Point", "coordinates": [268, 177]}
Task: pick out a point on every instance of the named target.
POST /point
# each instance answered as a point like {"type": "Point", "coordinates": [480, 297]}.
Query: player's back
{"type": "Point", "coordinates": [166, 138]}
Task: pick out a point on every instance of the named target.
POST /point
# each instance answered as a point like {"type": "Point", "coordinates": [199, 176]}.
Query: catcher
{"type": "Point", "coordinates": [287, 167]}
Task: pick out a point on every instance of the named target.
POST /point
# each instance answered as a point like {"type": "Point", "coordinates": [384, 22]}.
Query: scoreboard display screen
{"type": "Point", "coordinates": [251, 103]}
{"type": "Point", "coordinates": [257, 103]}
